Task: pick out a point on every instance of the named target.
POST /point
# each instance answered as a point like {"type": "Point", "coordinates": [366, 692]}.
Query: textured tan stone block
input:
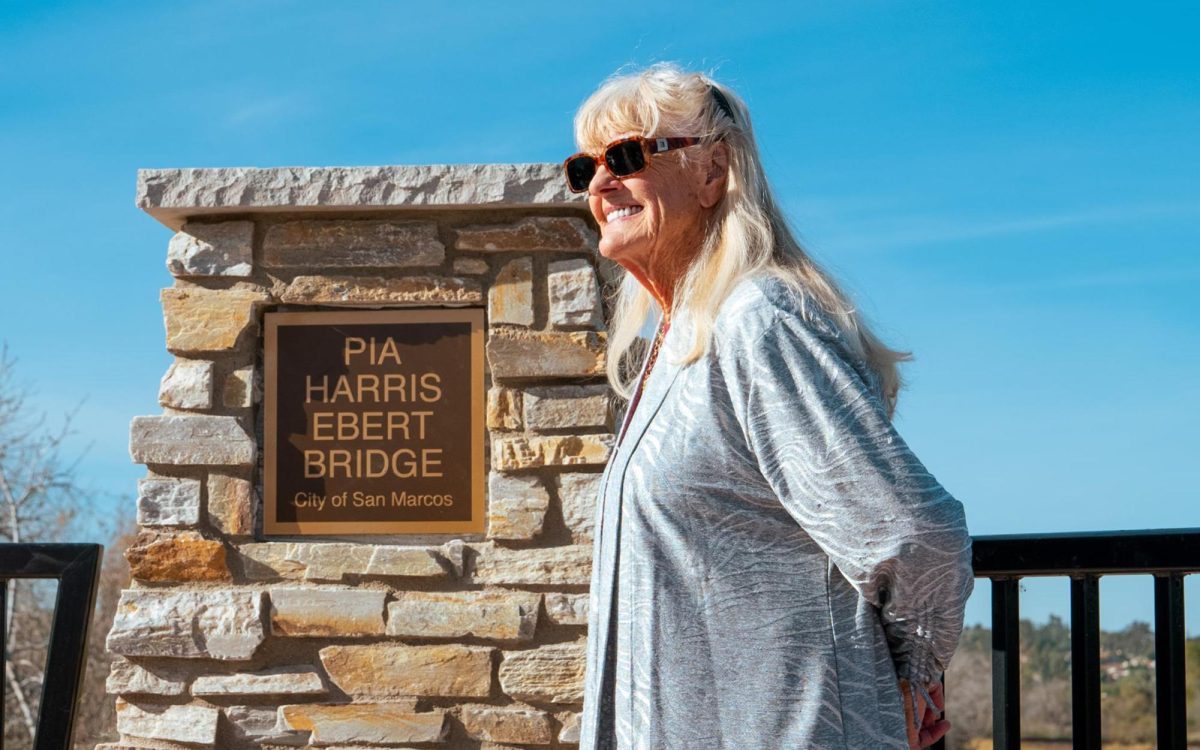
{"type": "Point", "coordinates": [503, 408]}
{"type": "Point", "coordinates": [574, 294]}
{"type": "Point", "coordinates": [534, 233]}
{"type": "Point", "coordinates": [551, 673]}
{"type": "Point", "coordinates": [164, 501]}
{"type": "Point", "coordinates": [569, 733]}
{"type": "Point", "coordinates": [470, 266]}
{"type": "Point", "coordinates": [188, 384]}
{"type": "Point", "coordinates": [128, 678]}
{"type": "Point", "coordinates": [221, 624]}
{"type": "Point", "coordinates": [241, 389]}
{"type": "Point", "coordinates": [277, 681]}
{"type": "Point", "coordinates": [517, 506]}
{"type": "Point", "coordinates": [454, 552]}
{"type": "Point", "coordinates": [338, 243]}
{"type": "Point", "coordinates": [431, 290]}
{"type": "Point", "coordinates": [526, 726]}
{"type": "Point", "coordinates": [259, 726]}
{"type": "Point", "coordinates": [510, 298]}
{"type": "Point", "coordinates": [521, 452]}
{"type": "Point", "coordinates": [365, 723]}
{"type": "Point", "coordinates": [335, 561]}
{"type": "Point", "coordinates": [206, 320]}
{"type": "Point", "coordinates": [502, 615]}
{"type": "Point", "coordinates": [326, 612]}
{"type": "Point", "coordinates": [563, 406]}
{"type": "Point", "coordinates": [231, 504]}
{"type": "Point", "coordinates": [570, 564]}
{"type": "Point", "coordinates": [200, 439]}
{"type": "Point", "coordinates": [170, 193]}
{"type": "Point", "coordinates": [219, 249]}
{"type": "Point", "coordinates": [577, 496]}
{"type": "Point", "coordinates": [179, 558]}
{"type": "Point", "coordinates": [195, 725]}
{"type": "Point", "coordinates": [386, 671]}
{"type": "Point", "coordinates": [567, 609]}
{"type": "Point", "coordinates": [518, 353]}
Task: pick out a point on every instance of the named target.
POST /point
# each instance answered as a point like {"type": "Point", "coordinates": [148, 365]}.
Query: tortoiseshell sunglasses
{"type": "Point", "coordinates": [623, 158]}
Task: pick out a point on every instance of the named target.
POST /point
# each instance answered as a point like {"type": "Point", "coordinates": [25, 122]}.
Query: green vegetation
{"type": "Point", "coordinates": [1127, 685]}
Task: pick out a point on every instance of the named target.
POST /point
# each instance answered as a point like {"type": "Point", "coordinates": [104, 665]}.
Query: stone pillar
{"type": "Point", "coordinates": [229, 639]}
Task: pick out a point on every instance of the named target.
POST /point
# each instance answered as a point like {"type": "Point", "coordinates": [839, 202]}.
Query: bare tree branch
{"type": "Point", "coordinates": [41, 499]}
{"type": "Point", "coordinates": [22, 701]}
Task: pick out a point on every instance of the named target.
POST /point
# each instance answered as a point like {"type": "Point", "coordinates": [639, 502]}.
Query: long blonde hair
{"type": "Point", "coordinates": [747, 233]}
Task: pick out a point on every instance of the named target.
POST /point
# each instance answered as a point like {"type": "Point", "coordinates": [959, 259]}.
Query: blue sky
{"type": "Point", "coordinates": [1009, 190]}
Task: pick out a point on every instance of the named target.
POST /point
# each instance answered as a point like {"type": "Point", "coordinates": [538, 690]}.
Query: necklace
{"type": "Point", "coordinates": [662, 330]}
{"type": "Point", "coordinates": [637, 396]}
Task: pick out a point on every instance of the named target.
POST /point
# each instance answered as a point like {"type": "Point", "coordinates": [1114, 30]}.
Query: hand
{"type": "Point", "coordinates": [932, 728]}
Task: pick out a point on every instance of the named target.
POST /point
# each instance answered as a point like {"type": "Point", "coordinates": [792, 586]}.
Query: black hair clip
{"type": "Point", "coordinates": [722, 102]}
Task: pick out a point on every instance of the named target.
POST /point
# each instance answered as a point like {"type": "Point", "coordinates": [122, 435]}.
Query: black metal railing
{"type": "Point", "coordinates": [1167, 554]}
{"type": "Point", "coordinates": [77, 569]}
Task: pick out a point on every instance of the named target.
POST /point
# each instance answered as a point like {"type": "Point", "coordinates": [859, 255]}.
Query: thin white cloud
{"type": "Point", "coordinates": [266, 110]}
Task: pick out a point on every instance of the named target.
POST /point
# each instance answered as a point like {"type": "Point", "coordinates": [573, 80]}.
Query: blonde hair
{"type": "Point", "coordinates": [747, 233]}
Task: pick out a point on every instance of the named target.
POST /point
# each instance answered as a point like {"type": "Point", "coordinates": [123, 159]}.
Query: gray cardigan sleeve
{"type": "Point", "coordinates": [824, 443]}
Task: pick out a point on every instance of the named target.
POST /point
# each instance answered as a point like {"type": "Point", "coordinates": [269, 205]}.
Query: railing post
{"type": "Point", "coordinates": [1006, 664]}
{"type": "Point", "coordinates": [1169, 699]}
{"type": "Point", "coordinates": [1085, 662]}
{"type": "Point", "coordinates": [66, 654]}
{"type": "Point", "coordinates": [3, 653]}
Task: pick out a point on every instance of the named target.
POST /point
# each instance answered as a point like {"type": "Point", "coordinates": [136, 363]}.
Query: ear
{"type": "Point", "coordinates": [712, 190]}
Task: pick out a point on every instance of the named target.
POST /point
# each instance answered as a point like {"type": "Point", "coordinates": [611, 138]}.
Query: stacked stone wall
{"type": "Point", "coordinates": [229, 639]}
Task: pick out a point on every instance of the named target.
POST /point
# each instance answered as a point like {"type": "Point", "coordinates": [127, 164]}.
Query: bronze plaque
{"type": "Point", "coordinates": [374, 422]}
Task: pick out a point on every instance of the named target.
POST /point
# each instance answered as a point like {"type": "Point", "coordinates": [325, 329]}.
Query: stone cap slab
{"type": "Point", "coordinates": [174, 195]}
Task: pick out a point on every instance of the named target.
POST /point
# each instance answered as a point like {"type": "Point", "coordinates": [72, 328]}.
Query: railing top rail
{"type": "Point", "coordinates": [1155, 551]}
{"type": "Point", "coordinates": [43, 560]}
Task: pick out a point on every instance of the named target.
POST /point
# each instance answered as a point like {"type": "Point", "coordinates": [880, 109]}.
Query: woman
{"type": "Point", "coordinates": [773, 568]}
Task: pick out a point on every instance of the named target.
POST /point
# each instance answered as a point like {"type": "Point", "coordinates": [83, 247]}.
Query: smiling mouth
{"type": "Point", "coordinates": [621, 213]}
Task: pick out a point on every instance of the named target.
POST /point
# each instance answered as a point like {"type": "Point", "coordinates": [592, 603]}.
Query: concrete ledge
{"type": "Point", "coordinates": [174, 195]}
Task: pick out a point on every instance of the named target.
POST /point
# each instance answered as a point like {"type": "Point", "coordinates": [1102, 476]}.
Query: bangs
{"type": "Point", "coordinates": [617, 108]}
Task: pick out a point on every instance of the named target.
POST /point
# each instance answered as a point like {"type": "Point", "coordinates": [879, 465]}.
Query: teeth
{"type": "Point", "coordinates": [621, 213]}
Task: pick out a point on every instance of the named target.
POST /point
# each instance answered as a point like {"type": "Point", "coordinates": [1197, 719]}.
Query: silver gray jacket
{"type": "Point", "coordinates": [769, 556]}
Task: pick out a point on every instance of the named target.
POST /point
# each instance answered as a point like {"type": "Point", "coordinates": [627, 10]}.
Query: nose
{"type": "Point", "coordinates": [602, 181]}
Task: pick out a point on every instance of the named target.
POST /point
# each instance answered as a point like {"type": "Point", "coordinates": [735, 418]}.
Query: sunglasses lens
{"type": "Point", "coordinates": [625, 158]}
{"type": "Point", "coordinates": [580, 172]}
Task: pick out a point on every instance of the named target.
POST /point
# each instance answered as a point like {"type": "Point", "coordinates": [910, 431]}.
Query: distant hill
{"type": "Point", "coordinates": [1127, 684]}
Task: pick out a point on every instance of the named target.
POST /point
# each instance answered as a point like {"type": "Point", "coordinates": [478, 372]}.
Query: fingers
{"type": "Point", "coordinates": [932, 733]}
{"type": "Point", "coordinates": [922, 708]}
{"type": "Point", "coordinates": [938, 698]}
{"type": "Point", "coordinates": [938, 694]}
{"type": "Point", "coordinates": [932, 728]}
